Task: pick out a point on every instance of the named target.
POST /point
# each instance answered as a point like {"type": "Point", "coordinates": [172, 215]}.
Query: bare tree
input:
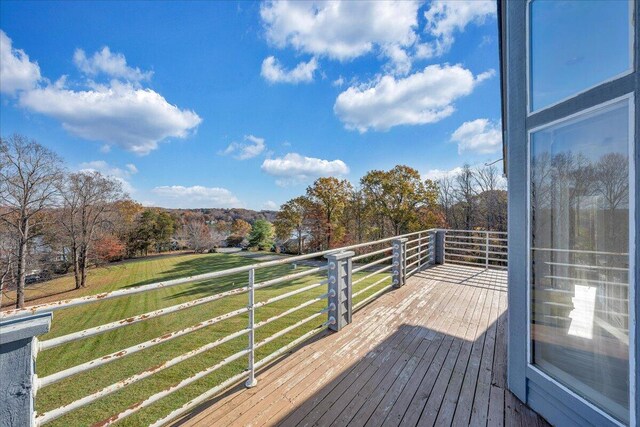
{"type": "Point", "coordinates": [88, 199]}
{"type": "Point", "coordinates": [447, 199]}
{"type": "Point", "coordinates": [465, 192]}
{"type": "Point", "coordinates": [29, 174]}
{"type": "Point", "coordinates": [488, 182]}
{"type": "Point", "coordinates": [612, 172]}
{"type": "Point", "coordinates": [7, 258]}
{"type": "Point", "coordinates": [197, 234]}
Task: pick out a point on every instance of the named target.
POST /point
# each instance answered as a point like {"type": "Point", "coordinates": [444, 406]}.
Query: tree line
{"type": "Point", "coordinates": [334, 212]}
{"type": "Point", "coordinates": [55, 221]}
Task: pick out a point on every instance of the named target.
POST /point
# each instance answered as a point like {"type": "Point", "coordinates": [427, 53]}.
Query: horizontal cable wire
{"type": "Point", "coordinates": [166, 392]}
{"type": "Point", "coordinates": [60, 375]}
{"type": "Point", "coordinates": [355, 282]}
{"type": "Point", "coordinates": [371, 264]}
{"type": "Point", "coordinates": [54, 342]}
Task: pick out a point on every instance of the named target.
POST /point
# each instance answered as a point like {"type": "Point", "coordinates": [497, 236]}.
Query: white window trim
{"type": "Point", "coordinates": [632, 254]}
{"type": "Point", "coordinates": [628, 71]}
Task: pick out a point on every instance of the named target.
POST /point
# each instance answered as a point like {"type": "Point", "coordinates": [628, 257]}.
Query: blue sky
{"type": "Point", "coordinates": [241, 104]}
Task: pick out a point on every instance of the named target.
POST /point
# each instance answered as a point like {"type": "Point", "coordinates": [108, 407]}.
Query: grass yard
{"type": "Point", "coordinates": [149, 271]}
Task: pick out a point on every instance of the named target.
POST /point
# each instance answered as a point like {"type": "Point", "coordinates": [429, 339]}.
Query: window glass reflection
{"type": "Point", "coordinates": [579, 255]}
{"type": "Point", "coordinates": [575, 45]}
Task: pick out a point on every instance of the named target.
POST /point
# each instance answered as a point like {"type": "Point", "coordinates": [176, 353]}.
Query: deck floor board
{"type": "Point", "coordinates": [430, 353]}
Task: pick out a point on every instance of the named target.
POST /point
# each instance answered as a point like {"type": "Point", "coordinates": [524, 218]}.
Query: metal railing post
{"type": "Point", "coordinates": [399, 262]}
{"type": "Point", "coordinates": [432, 248]}
{"type": "Point", "coordinates": [18, 350]}
{"type": "Point", "coordinates": [340, 280]}
{"type": "Point", "coordinates": [419, 251]}
{"type": "Point", "coordinates": [439, 248]}
{"type": "Point", "coordinates": [251, 381]}
{"type": "Point", "coordinates": [486, 251]}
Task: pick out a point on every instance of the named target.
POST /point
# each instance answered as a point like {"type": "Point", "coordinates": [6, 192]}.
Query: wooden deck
{"type": "Point", "coordinates": [430, 353]}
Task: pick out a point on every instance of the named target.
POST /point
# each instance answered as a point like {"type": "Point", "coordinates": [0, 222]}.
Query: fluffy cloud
{"type": "Point", "coordinates": [17, 72]}
{"type": "Point", "coordinates": [423, 97]}
{"type": "Point", "coordinates": [110, 64]}
{"type": "Point", "coordinates": [445, 18]}
{"type": "Point", "coordinates": [197, 196]}
{"type": "Point", "coordinates": [273, 72]}
{"type": "Point", "coordinates": [342, 30]}
{"type": "Point", "coordinates": [294, 168]}
{"type": "Point", "coordinates": [119, 174]}
{"type": "Point", "coordinates": [251, 147]}
{"type": "Point", "coordinates": [478, 136]}
{"type": "Point", "coordinates": [121, 114]}
{"type": "Point", "coordinates": [437, 174]}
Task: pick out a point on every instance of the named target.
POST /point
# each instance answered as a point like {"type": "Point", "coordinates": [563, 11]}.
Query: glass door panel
{"type": "Point", "coordinates": [579, 199]}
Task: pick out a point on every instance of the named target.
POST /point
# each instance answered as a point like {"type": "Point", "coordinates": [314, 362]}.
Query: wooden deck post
{"type": "Point", "coordinates": [399, 262]}
{"type": "Point", "coordinates": [18, 345]}
{"type": "Point", "coordinates": [340, 280]}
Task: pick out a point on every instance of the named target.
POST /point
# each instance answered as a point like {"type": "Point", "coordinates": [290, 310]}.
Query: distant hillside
{"type": "Point", "coordinates": [228, 215]}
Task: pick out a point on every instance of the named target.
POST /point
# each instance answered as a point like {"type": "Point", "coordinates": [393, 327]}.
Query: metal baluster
{"type": "Point", "coordinates": [251, 381]}
{"type": "Point", "coordinates": [486, 252]}
{"type": "Point", "coordinates": [419, 251]}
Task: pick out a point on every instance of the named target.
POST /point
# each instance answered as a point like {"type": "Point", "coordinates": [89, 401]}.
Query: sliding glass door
{"type": "Point", "coordinates": [581, 201]}
{"type": "Point", "coordinates": [579, 198]}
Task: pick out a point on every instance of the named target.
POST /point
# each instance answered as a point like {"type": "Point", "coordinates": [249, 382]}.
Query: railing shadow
{"type": "Point", "coordinates": [416, 375]}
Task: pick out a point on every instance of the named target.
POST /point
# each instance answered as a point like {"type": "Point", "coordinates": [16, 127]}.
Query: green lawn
{"type": "Point", "coordinates": [149, 271]}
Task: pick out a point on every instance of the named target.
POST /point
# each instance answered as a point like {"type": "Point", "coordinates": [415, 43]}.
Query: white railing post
{"type": "Point", "coordinates": [251, 381]}
{"type": "Point", "coordinates": [18, 350]}
{"type": "Point", "coordinates": [399, 262]}
{"type": "Point", "coordinates": [340, 279]}
{"type": "Point", "coordinates": [486, 251]}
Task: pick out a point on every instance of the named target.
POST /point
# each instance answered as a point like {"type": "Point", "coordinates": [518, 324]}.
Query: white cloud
{"type": "Point", "coordinates": [478, 136]}
{"type": "Point", "coordinates": [251, 147]}
{"type": "Point", "coordinates": [119, 174]}
{"type": "Point", "coordinates": [400, 61]}
{"type": "Point", "coordinates": [119, 114]}
{"type": "Point", "coordinates": [338, 82]}
{"type": "Point", "coordinates": [437, 174]}
{"type": "Point", "coordinates": [341, 30]}
{"type": "Point", "coordinates": [197, 196]}
{"type": "Point", "coordinates": [445, 18]}
{"type": "Point", "coordinates": [17, 72]}
{"type": "Point", "coordinates": [274, 72]}
{"type": "Point", "coordinates": [423, 97]}
{"type": "Point", "coordinates": [110, 64]}
{"type": "Point", "coordinates": [270, 205]}
{"type": "Point", "coordinates": [294, 168]}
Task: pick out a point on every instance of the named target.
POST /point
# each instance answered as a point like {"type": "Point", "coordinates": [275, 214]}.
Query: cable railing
{"type": "Point", "coordinates": [318, 306]}
{"type": "Point", "coordinates": [478, 248]}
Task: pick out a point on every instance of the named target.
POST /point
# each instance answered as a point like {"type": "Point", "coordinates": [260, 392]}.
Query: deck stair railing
{"type": "Point", "coordinates": [355, 275]}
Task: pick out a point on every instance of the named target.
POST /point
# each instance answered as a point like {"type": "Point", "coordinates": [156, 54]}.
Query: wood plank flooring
{"type": "Point", "coordinates": [430, 353]}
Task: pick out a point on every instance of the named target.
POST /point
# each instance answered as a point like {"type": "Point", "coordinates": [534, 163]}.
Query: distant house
{"type": "Point", "coordinates": [291, 245]}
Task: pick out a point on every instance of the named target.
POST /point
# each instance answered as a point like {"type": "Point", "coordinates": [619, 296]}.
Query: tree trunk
{"type": "Point", "coordinates": [83, 272]}
{"type": "Point", "coordinates": [82, 264]}
{"type": "Point", "coordinates": [76, 266]}
{"type": "Point", "coordinates": [22, 263]}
